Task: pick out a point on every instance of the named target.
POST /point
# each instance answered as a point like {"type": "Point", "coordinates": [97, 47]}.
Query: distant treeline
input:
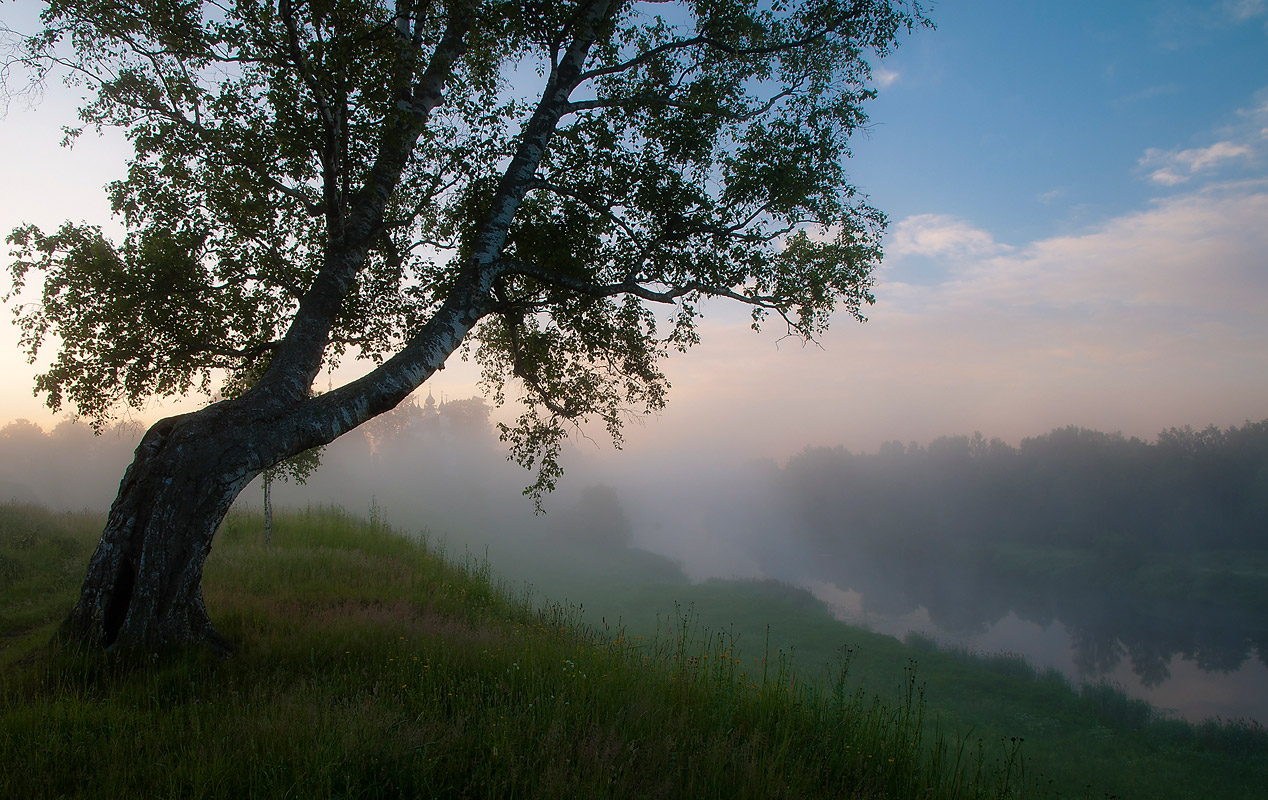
{"type": "Point", "coordinates": [1143, 550]}
{"type": "Point", "coordinates": [1074, 487]}
{"type": "Point", "coordinates": [68, 468]}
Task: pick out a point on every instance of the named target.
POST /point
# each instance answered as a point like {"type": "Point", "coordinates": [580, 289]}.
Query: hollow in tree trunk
{"type": "Point", "coordinates": [143, 590]}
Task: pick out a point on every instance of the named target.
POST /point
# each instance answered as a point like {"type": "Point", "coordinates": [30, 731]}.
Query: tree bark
{"type": "Point", "coordinates": [143, 590]}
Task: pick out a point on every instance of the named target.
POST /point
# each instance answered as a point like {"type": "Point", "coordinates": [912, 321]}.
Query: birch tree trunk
{"type": "Point", "coordinates": [143, 590]}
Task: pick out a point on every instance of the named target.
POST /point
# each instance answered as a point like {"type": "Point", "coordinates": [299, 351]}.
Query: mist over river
{"type": "Point", "coordinates": [1108, 559]}
{"type": "Point", "coordinates": [1189, 690]}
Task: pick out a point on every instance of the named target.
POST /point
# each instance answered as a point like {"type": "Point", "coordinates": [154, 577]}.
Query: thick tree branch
{"type": "Point", "coordinates": [639, 290]}
{"type": "Point", "coordinates": [398, 142]}
{"type": "Point", "coordinates": [652, 101]}
{"type": "Point", "coordinates": [300, 358]}
{"type": "Point", "coordinates": [719, 45]}
{"type": "Point", "coordinates": [519, 175]}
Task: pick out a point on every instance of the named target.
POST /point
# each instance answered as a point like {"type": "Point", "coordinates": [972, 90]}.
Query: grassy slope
{"type": "Point", "coordinates": [1096, 741]}
{"type": "Point", "coordinates": [371, 668]}
{"type": "Point", "coordinates": [1096, 738]}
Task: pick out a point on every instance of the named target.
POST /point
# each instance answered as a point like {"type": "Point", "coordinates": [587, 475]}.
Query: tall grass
{"type": "Point", "coordinates": [43, 556]}
{"type": "Point", "coordinates": [369, 666]}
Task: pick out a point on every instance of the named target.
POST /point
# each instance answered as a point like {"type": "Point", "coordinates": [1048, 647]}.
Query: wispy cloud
{"type": "Point", "coordinates": [1244, 9]}
{"type": "Point", "coordinates": [1255, 117]}
{"type": "Point", "coordinates": [1202, 253]}
{"type": "Point", "coordinates": [1173, 167]}
{"type": "Point", "coordinates": [1051, 196]}
{"type": "Point", "coordinates": [1241, 144]}
{"type": "Point", "coordinates": [940, 235]}
{"type": "Point", "coordinates": [885, 77]}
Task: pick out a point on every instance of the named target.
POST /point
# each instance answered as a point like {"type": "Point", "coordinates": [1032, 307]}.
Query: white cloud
{"type": "Point", "coordinates": [1257, 114]}
{"type": "Point", "coordinates": [1167, 177]}
{"type": "Point", "coordinates": [1052, 195]}
{"type": "Point", "coordinates": [885, 77]}
{"type": "Point", "coordinates": [1153, 316]}
{"type": "Point", "coordinates": [939, 235]}
{"type": "Point", "coordinates": [1241, 144]}
{"type": "Point", "coordinates": [1202, 253]}
{"type": "Point", "coordinates": [1172, 167]}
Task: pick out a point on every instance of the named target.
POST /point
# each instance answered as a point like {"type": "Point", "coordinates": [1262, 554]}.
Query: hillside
{"type": "Point", "coordinates": [370, 667]}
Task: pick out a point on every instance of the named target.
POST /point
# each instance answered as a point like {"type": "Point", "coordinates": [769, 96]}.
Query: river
{"type": "Point", "coordinates": [1188, 689]}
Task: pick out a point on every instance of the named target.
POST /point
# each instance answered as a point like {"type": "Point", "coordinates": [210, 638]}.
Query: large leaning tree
{"type": "Point", "coordinates": [553, 186]}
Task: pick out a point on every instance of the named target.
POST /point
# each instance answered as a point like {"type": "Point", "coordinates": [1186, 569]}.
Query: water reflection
{"type": "Point", "coordinates": [1173, 661]}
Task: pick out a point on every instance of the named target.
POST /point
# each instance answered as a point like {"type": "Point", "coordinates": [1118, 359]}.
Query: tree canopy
{"type": "Point", "coordinates": [554, 185]}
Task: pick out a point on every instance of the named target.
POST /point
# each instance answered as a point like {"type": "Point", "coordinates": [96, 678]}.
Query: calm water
{"type": "Point", "coordinates": [1188, 690]}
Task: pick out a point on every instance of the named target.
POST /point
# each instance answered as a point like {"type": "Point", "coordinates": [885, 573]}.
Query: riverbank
{"type": "Point", "coordinates": [1079, 740]}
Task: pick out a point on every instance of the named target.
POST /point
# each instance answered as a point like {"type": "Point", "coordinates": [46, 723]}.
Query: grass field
{"type": "Point", "coordinates": [368, 666]}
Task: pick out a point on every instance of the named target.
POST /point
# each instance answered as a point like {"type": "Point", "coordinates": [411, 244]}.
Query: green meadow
{"type": "Point", "coordinates": [373, 664]}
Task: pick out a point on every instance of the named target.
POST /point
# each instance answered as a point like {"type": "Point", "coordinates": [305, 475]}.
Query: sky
{"type": "Point", "coordinates": [1078, 205]}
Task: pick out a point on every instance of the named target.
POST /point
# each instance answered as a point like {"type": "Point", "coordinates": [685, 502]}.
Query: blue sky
{"type": "Point", "coordinates": [1031, 118]}
{"type": "Point", "coordinates": [1078, 196]}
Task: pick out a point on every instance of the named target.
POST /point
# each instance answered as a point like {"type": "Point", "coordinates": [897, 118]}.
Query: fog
{"type": "Point", "coordinates": [1103, 556]}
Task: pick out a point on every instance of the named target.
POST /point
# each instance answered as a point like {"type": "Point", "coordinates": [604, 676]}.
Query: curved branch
{"type": "Point", "coordinates": [663, 101]}
{"type": "Point", "coordinates": [305, 70]}
{"type": "Point", "coordinates": [519, 174]}
{"type": "Point", "coordinates": [717, 44]}
{"type": "Point", "coordinates": [595, 204]}
{"type": "Point", "coordinates": [107, 86]}
{"type": "Point", "coordinates": [633, 287]}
